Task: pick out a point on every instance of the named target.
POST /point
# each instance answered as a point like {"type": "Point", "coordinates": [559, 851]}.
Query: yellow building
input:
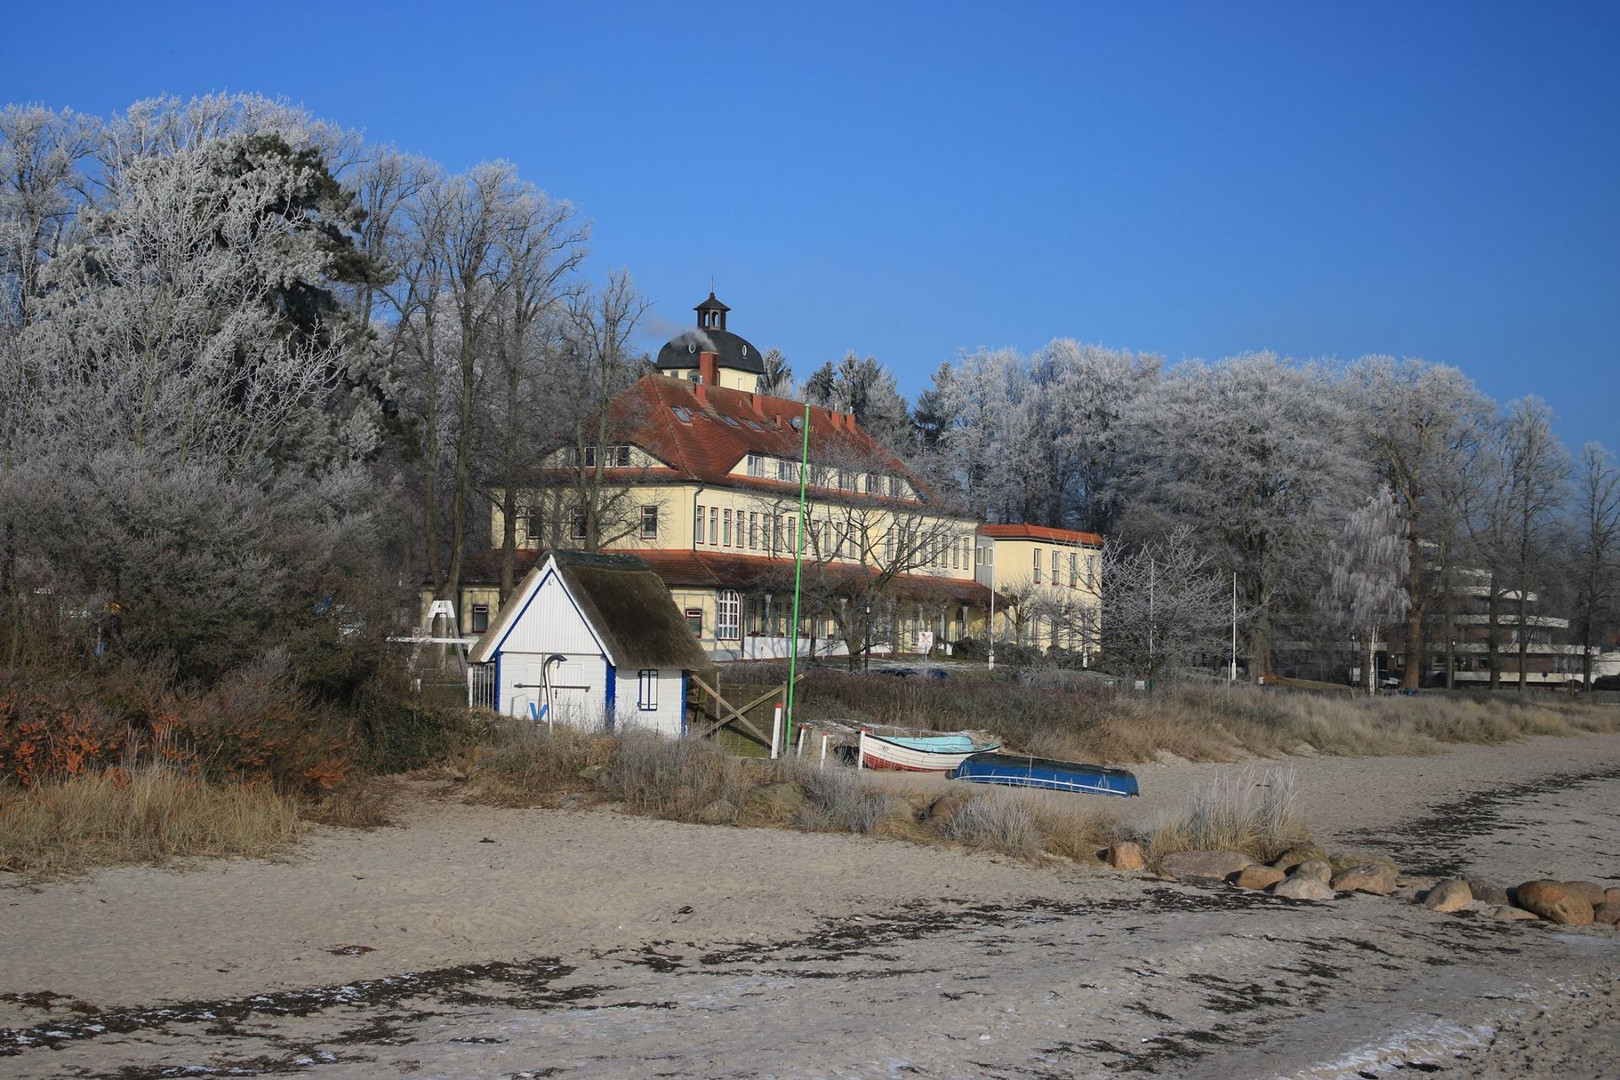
{"type": "Point", "coordinates": [702, 481]}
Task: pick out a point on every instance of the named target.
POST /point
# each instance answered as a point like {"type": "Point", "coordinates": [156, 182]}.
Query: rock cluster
{"type": "Point", "coordinates": [1309, 873]}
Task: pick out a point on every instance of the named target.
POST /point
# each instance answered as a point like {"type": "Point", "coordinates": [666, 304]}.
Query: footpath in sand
{"type": "Point", "coordinates": [473, 941]}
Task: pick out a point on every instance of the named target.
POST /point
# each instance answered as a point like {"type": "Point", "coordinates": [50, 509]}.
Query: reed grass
{"type": "Point", "coordinates": [1254, 811]}
{"type": "Point", "coordinates": [153, 814]}
{"type": "Point", "coordinates": [1082, 719]}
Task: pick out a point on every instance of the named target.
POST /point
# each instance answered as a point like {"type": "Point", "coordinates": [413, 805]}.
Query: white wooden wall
{"type": "Point", "coordinates": [666, 719]}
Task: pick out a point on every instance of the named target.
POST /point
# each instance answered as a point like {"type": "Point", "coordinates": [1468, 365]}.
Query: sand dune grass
{"type": "Point", "coordinates": [693, 781]}
{"type": "Point", "coordinates": [1092, 722]}
{"type": "Point", "coordinates": [153, 813]}
{"type": "Point", "coordinates": [1254, 811]}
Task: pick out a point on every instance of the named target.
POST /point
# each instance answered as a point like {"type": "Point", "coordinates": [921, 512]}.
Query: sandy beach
{"type": "Point", "coordinates": [472, 941]}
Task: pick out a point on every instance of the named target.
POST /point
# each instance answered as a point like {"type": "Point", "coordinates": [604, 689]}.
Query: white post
{"type": "Point", "coordinates": [776, 732]}
{"type": "Point", "coordinates": [824, 749]}
{"type": "Point", "coordinates": [1233, 677]}
{"type": "Point", "coordinates": [992, 604]}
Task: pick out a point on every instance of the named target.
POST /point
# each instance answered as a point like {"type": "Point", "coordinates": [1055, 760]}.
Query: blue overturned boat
{"type": "Point", "coordinates": [1017, 770]}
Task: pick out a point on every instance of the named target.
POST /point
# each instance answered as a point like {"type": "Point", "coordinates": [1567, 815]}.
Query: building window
{"type": "Point", "coordinates": [792, 534]}
{"type": "Point", "coordinates": [590, 456]}
{"type": "Point", "coordinates": [728, 615]}
{"type": "Point", "coordinates": [1037, 566]}
{"type": "Point", "coordinates": [726, 528]}
{"type": "Point", "coordinates": [621, 456]}
{"type": "Point", "coordinates": [1074, 569]}
{"type": "Point", "coordinates": [576, 525]}
{"type": "Point", "coordinates": [697, 525]}
{"type": "Point", "coordinates": [649, 522]}
{"type": "Point", "coordinates": [714, 525]}
{"type": "Point", "coordinates": [480, 618]}
{"type": "Point", "coordinates": [647, 695]}
{"type": "Point", "coordinates": [694, 621]}
{"type": "Point", "coordinates": [756, 465]}
{"type": "Point", "coordinates": [533, 523]}
{"type": "Point", "coordinates": [1055, 578]}
{"type": "Point", "coordinates": [753, 531]}
{"type": "Point", "coordinates": [784, 470]}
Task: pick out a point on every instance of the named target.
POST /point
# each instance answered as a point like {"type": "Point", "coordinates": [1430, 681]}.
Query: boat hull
{"type": "Point", "coordinates": [914, 755]}
{"type": "Point", "coordinates": [1049, 774]}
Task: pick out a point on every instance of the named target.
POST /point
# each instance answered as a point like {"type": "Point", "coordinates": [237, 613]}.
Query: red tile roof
{"type": "Point", "coordinates": [759, 573]}
{"type": "Point", "coordinates": [1040, 532]}
{"type": "Point", "coordinates": [749, 573]}
{"type": "Point", "coordinates": [708, 447]}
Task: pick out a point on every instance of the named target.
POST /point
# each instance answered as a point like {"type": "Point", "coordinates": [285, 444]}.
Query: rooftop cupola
{"type": "Point", "coordinates": [712, 354]}
{"type": "Point", "coordinates": [711, 314]}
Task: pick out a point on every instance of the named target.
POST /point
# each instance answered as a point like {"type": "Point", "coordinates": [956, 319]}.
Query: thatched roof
{"type": "Point", "coordinates": [630, 608]}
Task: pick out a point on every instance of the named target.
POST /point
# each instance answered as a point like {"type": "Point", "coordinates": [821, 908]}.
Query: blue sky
{"type": "Point", "coordinates": [906, 180]}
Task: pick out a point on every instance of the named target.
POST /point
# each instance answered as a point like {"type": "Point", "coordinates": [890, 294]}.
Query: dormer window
{"type": "Point", "coordinates": [681, 414]}
{"type": "Point", "coordinates": [756, 465]}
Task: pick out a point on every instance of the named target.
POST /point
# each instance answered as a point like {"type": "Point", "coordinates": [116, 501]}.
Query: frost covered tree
{"type": "Point", "coordinates": [191, 464]}
{"type": "Point", "coordinates": [778, 377]}
{"type": "Point", "coordinates": [1253, 455]}
{"type": "Point", "coordinates": [1162, 603]}
{"type": "Point", "coordinates": [867, 389]}
{"type": "Point", "coordinates": [1422, 427]}
{"type": "Point", "coordinates": [1595, 529]}
{"type": "Point", "coordinates": [1535, 466]}
{"type": "Point", "coordinates": [1080, 394]}
{"type": "Point", "coordinates": [1366, 590]}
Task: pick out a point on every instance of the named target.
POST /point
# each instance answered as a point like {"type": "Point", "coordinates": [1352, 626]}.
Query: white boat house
{"type": "Point", "coordinates": [590, 640]}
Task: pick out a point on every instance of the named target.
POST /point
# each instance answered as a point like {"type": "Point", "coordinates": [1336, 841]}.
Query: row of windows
{"type": "Point", "coordinates": [614, 457]}
{"type": "Point", "coordinates": [823, 476]}
{"type": "Point", "coordinates": [1074, 570]}
{"type": "Point", "coordinates": [751, 530]}
{"type": "Point", "coordinates": [578, 523]}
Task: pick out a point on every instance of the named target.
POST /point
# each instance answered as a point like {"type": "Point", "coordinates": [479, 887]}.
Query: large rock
{"type": "Point", "coordinates": [1452, 894]}
{"type": "Point", "coordinates": [1257, 877]}
{"type": "Point", "coordinates": [1607, 913]}
{"type": "Point", "coordinates": [1315, 869]}
{"type": "Point", "coordinates": [1299, 887]}
{"type": "Point", "coordinates": [1509, 913]}
{"type": "Point", "coordinates": [1126, 856]}
{"type": "Point", "coordinates": [1554, 902]}
{"type": "Point", "coordinates": [1349, 860]}
{"type": "Point", "coordinates": [1377, 878]}
{"type": "Point", "coordinates": [1487, 893]}
{"type": "Point", "coordinates": [1590, 891]}
{"type": "Point", "coordinates": [1290, 859]}
{"type": "Point", "coordinates": [1205, 865]}
{"type": "Point", "coordinates": [1611, 896]}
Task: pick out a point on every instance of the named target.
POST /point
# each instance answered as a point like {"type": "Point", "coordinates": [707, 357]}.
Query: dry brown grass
{"type": "Point", "coordinates": [1088, 721]}
{"type": "Point", "coordinates": [693, 781]}
{"type": "Point", "coordinates": [1255, 812]}
{"type": "Point", "coordinates": [150, 814]}
{"type": "Point", "coordinates": [357, 804]}
{"type": "Point", "coordinates": [526, 765]}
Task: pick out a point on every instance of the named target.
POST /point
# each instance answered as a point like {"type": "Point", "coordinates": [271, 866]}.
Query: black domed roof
{"type": "Point", "coordinates": [735, 352]}
{"type": "Point", "coordinates": [711, 335]}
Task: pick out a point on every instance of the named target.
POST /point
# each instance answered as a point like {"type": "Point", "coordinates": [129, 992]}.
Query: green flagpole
{"type": "Point", "coordinates": [798, 569]}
